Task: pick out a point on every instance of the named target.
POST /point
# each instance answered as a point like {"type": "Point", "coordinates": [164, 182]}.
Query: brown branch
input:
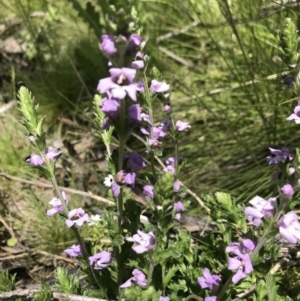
{"type": "Point", "coordinates": [9, 229]}
{"type": "Point", "coordinates": [245, 293]}
{"type": "Point", "coordinates": [49, 185]}
{"type": "Point", "coordinates": [60, 296]}
{"type": "Point", "coordinates": [283, 261]}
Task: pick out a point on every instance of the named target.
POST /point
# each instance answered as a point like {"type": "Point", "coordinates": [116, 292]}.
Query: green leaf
{"type": "Point", "coordinates": [271, 287]}
{"type": "Point", "coordinates": [289, 43]}
{"type": "Point", "coordinates": [261, 290]}
{"type": "Point", "coordinates": [170, 275]}
{"type": "Point", "coordinates": [11, 242]}
{"type": "Point", "coordinates": [163, 189]}
{"type": "Point", "coordinates": [99, 115]}
{"type": "Point", "coordinates": [39, 128]}
{"type": "Point", "coordinates": [28, 110]}
{"type": "Point", "coordinates": [67, 284]}
{"type": "Point", "coordinates": [7, 281]}
{"type": "Point", "coordinates": [224, 200]}
{"type": "Point", "coordinates": [155, 73]}
{"type": "Point", "coordinates": [167, 254]}
{"type": "Point", "coordinates": [117, 240]}
{"type": "Point", "coordinates": [44, 294]}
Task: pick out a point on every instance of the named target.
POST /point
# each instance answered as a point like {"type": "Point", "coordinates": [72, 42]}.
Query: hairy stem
{"type": "Point", "coordinates": [151, 137]}
{"type": "Point", "coordinates": [122, 141]}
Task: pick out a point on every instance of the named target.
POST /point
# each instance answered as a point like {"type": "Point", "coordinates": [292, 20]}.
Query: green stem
{"type": "Point", "coordinates": [150, 110]}
{"type": "Point", "coordinates": [190, 297]}
{"type": "Point", "coordinates": [176, 148]}
{"type": "Point", "coordinates": [150, 272]}
{"type": "Point", "coordinates": [225, 287]}
{"type": "Point", "coordinates": [122, 140]}
{"type": "Point", "coordinates": [176, 158]}
{"type": "Point", "coordinates": [151, 136]}
{"type": "Point", "coordinates": [153, 166]}
{"type": "Point", "coordinates": [163, 272]}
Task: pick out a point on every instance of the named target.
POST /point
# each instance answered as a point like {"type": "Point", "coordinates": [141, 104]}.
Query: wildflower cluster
{"type": "Point", "coordinates": [157, 260]}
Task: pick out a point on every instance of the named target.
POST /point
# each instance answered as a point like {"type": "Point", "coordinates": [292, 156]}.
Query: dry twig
{"type": "Point", "coordinates": [49, 185]}
{"type": "Point", "coordinates": [60, 296]}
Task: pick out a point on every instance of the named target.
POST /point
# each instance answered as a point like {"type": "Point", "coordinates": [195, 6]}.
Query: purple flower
{"type": "Point", "coordinates": [165, 125]}
{"type": "Point", "coordinates": [52, 154]}
{"type": "Point", "coordinates": [244, 247]}
{"type": "Point", "coordinates": [242, 264]}
{"type": "Point", "coordinates": [77, 217]}
{"type": "Point", "coordinates": [169, 168]}
{"type": "Point", "coordinates": [148, 189]}
{"type": "Point", "coordinates": [129, 179]}
{"type": "Point", "coordinates": [100, 260]}
{"type": "Point", "coordinates": [143, 242]}
{"type": "Point", "coordinates": [31, 138]}
{"type": "Point", "coordinates": [212, 298]}
{"type": "Point", "coordinates": [153, 143]}
{"type": "Point", "coordinates": [35, 160]}
{"type": "Point", "coordinates": [170, 165]}
{"type": "Point", "coordinates": [138, 278]}
{"type": "Point", "coordinates": [135, 114]}
{"type": "Point", "coordinates": [261, 208]}
{"type": "Point", "coordinates": [115, 188]}
{"type": "Point", "coordinates": [123, 177]}
{"type": "Point", "coordinates": [291, 170]}
{"type": "Point", "coordinates": [158, 133]}
{"type": "Point", "coordinates": [140, 86]}
{"type": "Point", "coordinates": [289, 227]}
{"type": "Point", "coordinates": [110, 106]}
{"type": "Point", "coordinates": [280, 155]}
{"type": "Point", "coordinates": [178, 206]}
{"type": "Point", "coordinates": [209, 281]}
{"type": "Point", "coordinates": [162, 129]}
{"type": "Point", "coordinates": [57, 205]}
{"type": "Point", "coordinates": [164, 298]}
{"type": "Point", "coordinates": [296, 115]}
{"type": "Point", "coordinates": [105, 124]}
{"type": "Point", "coordinates": [181, 126]}
{"type": "Point", "coordinates": [73, 251]}
{"type": "Point", "coordinates": [145, 131]}
{"type": "Point", "coordinates": [158, 87]}
{"type": "Point", "coordinates": [119, 83]}
{"type": "Point", "coordinates": [138, 64]}
{"type": "Point", "coordinates": [135, 41]}
{"type": "Point", "coordinates": [135, 162]}
{"type": "Point", "coordinates": [170, 161]}
{"type": "Point", "coordinates": [167, 107]}
{"type": "Point", "coordinates": [287, 189]}
{"type": "Point", "coordinates": [288, 80]}
{"type": "Point", "coordinates": [176, 185]}
{"type": "Point", "coordinates": [108, 45]}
